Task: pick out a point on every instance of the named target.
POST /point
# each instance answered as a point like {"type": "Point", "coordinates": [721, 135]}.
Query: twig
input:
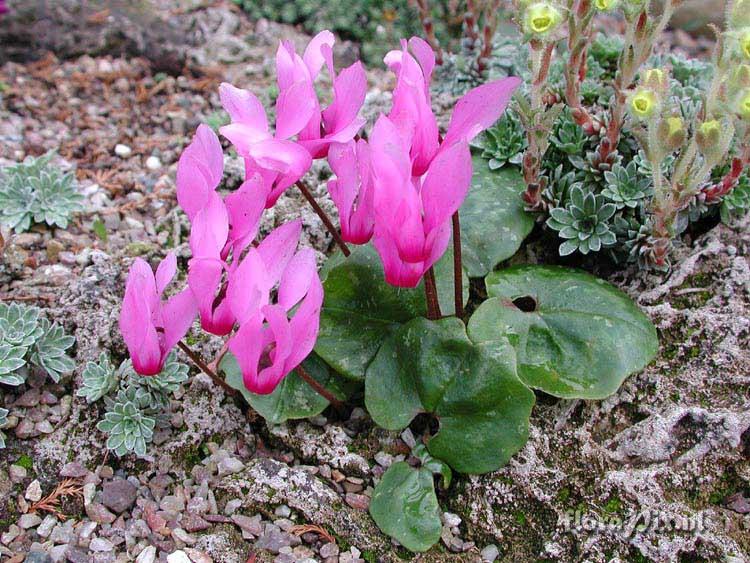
{"type": "Point", "coordinates": [51, 503]}
{"type": "Point", "coordinates": [458, 290]}
{"type": "Point", "coordinates": [430, 291]}
{"type": "Point", "coordinates": [319, 389]}
{"type": "Point", "coordinates": [300, 529]}
{"type": "Point", "coordinates": [198, 361]}
{"type": "Point", "coordinates": [323, 217]}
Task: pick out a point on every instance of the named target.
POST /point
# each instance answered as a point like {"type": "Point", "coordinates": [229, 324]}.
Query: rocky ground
{"type": "Point", "coordinates": [658, 472]}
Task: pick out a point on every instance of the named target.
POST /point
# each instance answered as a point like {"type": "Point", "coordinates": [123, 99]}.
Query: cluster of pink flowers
{"type": "Point", "coordinates": [3, 7]}
{"type": "Point", "coordinates": [399, 188]}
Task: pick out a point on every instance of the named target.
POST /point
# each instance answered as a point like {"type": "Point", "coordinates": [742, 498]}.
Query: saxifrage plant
{"type": "Point", "coordinates": [388, 312]}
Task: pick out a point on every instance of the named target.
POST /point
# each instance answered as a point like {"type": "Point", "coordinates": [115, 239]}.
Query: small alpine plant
{"type": "Point", "coordinates": [391, 314]}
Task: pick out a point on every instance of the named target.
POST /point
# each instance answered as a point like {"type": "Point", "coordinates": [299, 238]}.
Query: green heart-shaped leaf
{"type": "Point", "coordinates": [482, 406]}
{"type": "Point", "coordinates": [493, 220]}
{"type": "Point", "coordinates": [293, 398]}
{"type": "Point", "coordinates": [576, 337]}
{"type": "Point", "coordinates": [361, 310]}
{"type": "Point", "coordinates": [405, 507]}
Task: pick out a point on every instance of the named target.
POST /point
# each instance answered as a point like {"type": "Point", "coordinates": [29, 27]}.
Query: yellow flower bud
{"type": "Point", "coordinates": [606, 5]}
{"type": "Point", "coordinates": [672, 133]}
{"type": "Point", "coordinates": [541, 18]}
{"type": "Point", "coordinates": [743, 107]}
{"type": "Point", "coordinates": [657, 80]}
{"type": "Point", "coordinates": [740, 14]}
{"type": "Point", "coordinates": [708, 135]}
{"type": "Point", "coordinates": [644, 103]}
{"type": "Point", "coordinates": [745, 43]}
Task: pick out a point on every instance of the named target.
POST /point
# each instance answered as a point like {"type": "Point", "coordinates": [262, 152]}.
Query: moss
{"type": "Point", "coordinates": [139, 249]}
{"type": "Point", "coordinates": [613, 506]}
{"type": "Point", "coordinates": [26, 462]}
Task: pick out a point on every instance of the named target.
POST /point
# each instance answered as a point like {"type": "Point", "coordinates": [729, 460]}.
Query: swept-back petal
{"type": "Point", "coordinates": [296, 279]}
{"type": "Point", "coordinates": [178, 314]}
{"type": "Point", "coordinates": [165, 272]}
{"type": "Point", "coordinates": [294, 109]}
{"type": "Point", "coordinates": [446, 184]}
{"type": "Point", "coordinates": [199, 170]}
{"type": "Point", "coordinates": [277, 249]}
{"type": "Point", "coordinates": [244, 208]}
{"type": "Point", "coordinates": [479, 108]}
{"type": "Point", "coordinates": [313, 56]}
{"type": "Point", "coordinates": [245, 108]}
{"type": "Point", "coordinates": [210, 229]}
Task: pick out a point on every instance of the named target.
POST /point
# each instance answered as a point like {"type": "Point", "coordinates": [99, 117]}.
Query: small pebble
{"type": "Point", "coordinates": [148, 555]}
{"type": "Point", "coordinates": [178, 556]}
{"type": "Point", "coordinates": [153, 163]}
{"type": "Point", "coordinates": [27, 521]}
{"type": "Point", "coordinates": [33, 491]}
{"type": "Point", "coordinates": [490, 553]}
{"type": "Point", "coordinates": [123, 151]}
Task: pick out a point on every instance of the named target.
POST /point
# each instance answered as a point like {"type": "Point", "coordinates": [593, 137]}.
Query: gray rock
{"type": "Point", "coordinates": [148, 555]}
{"type": "Point", "coordinates": [73, 469]}
{"type": "Point", "coordinates": [119, 495]}
{"type": "Point", "coordinates": [266, 482]}
{"type": "Point", "coordinates": [27, 521]}
{"type": "Point", "coordinates": [101, 544]}
{"type": "Point", "coordinates": [37, 557]}
{"type": "Point", "coordinates": [250, 524]}
{"type": "Point", "coordinates": [45, 528]}
{"type": "Point", "coordinates": [230, 465]}
{"type": "Point", "coordinates": [33, 491]}
{"type": "Point", "coordinates": [17, 473]}
{"type": "Point", "coordinates": [490, 553]}
{"type": "Point", "coordinates": [99, 513]}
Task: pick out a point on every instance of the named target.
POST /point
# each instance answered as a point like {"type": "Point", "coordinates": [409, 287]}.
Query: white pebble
{"type": "Point", "coordinates": [178, 556]}
{"type": "Point", "coordinates": [153, 163]}
{"type": "Point", "coordinates": [123, 151]}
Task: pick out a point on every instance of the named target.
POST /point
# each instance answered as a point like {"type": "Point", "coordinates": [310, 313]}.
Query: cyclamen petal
{"type": "Point", "coordinates": [199, 171]}
{"type": "Point", "coordinates": [313, 56]}
{"type": "Point", "coordinates": [351, 190]}
{"type": "Point", "coordinates": [479, 109]}
{"type": "Point", "coordinates": [244, 208]}
{"type": "Point", "coordinates": [149, 327]}
{"type": "Point", "coordinates": [245, 108]}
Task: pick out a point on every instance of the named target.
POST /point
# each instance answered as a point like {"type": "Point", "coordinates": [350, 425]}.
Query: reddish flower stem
{"type": "Point", "coordinates": [323, 217]}
{"type": "Point", "coordinates": [198, 361]}
{"type": "Point", "coordinates": [318, 388]}
{"type": "Point", "coordinates": [458, 292]}
{"type": "Point", "coordinates": [430, 291]}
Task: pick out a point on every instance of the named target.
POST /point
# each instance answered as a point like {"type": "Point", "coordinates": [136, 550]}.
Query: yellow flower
{"type": "Point", "coordinates": [643, 103]}
{"type": "Point", "coordinates": [675, 125]}
{"type": "Point", "coordinates": [740, 16]}
{"type": "Point", "coordinates": [541, 18]}
{"type": "Point", "coordinates": [605, 5]}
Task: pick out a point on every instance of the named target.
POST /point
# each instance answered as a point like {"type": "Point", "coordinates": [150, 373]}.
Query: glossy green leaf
{"type": "Point", "coordinates": [292, 399]}
{"type": "Point", "coordinates": [493, 220]}
{"type": "Point", "coordinates": [581, 337]}
{"type": "Point", "coordinates": [405, 507]}
{"type": "Point", "coordinates": [481, 405]}
{"type": "Point", "coordinates": [361, 310]}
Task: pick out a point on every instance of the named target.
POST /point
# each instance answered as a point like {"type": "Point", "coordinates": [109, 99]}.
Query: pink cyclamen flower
{"type": "Point", "coordinates": [269, 344]}
{"type": "Point", "coordinates": [279, 160]}
{"type": "Point", "coordinates": [419, 181]}
{"type": "Point", "coordinates": [339, 122]}
{"type": "Point", "coordinates": [352, 190]}
{"type": "Point", "coordinates": [219, 226]}
{"type": "Point", "coordinates": [150, 327]}
{"type": "Point", "coordinates": [3, 7]}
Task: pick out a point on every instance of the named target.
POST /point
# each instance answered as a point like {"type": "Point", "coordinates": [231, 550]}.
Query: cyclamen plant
{"type": "Point", "coordinates": [399, 191]}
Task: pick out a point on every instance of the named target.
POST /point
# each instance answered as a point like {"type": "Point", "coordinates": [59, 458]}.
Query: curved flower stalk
{"type": "Point", "coordinates": [150, 327]}
{"type": "Point", "coordinates": [220, 227]}
{"type": "Point", "coordinates": [269, 344]}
